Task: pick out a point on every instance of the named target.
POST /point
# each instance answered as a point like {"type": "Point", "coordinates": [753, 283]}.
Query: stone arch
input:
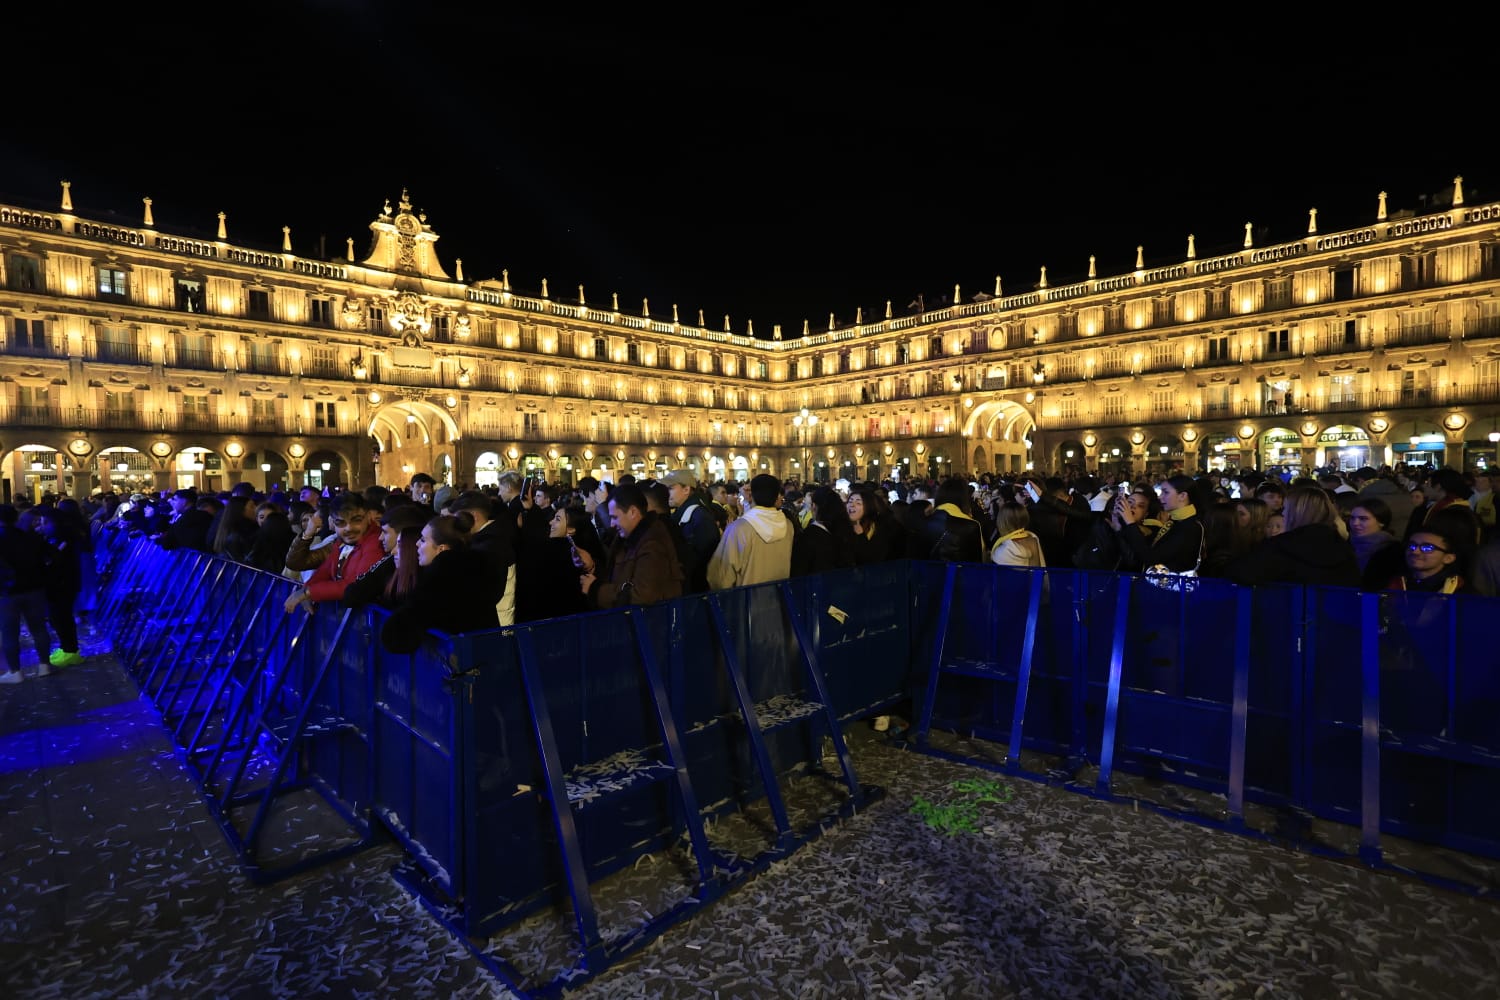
{"type": "Point", "coordinates": [415, 436]}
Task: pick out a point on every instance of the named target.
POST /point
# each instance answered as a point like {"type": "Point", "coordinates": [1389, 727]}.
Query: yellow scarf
{"type": "Point", "coordinates": [1183, 513]}
{"type": "Point", "coordinates": [1005, 538]}
{"type": "Point", "coordinates": [953, 511]}
{"type": "Point", "coordinates": [1173, 516]}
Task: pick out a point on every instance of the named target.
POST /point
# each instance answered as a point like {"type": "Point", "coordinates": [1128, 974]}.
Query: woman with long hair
{"type": "Point", "coordinates": [272, 539]}
{"type": "Point", "coordinates": [1313, 549]}
{"type": "Point", "coordinates": [827, 541]}
{"type": "Point", "coordinates": [1251, 514]}
{"type": "Point", "coordinates": [553, 581]}
{"type": "Point", "coordinates": [453, 592]}
{"type": "Point", "coordinates": [1015, 543]}
{"type": "Point", "coordinates": [877, 535]}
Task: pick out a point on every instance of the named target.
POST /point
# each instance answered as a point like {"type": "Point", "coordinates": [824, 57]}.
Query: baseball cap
{"type": "Point", "coordinates": [678, 477]}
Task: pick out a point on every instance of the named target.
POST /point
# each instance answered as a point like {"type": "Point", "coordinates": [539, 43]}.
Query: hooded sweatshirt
{"type": "Point", "coordinates": [756, 548]}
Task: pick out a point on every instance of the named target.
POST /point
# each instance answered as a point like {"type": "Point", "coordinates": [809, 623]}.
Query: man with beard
{"type": "Point", "coordinates": [641, 565]}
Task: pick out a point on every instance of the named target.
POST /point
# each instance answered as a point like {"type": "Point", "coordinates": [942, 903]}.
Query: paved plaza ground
{"type": "Point", "coordinates": [114, 882]}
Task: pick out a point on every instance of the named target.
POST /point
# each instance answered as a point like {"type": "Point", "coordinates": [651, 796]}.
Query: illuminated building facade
{"type": "Point", "coordinates": [135, 358]}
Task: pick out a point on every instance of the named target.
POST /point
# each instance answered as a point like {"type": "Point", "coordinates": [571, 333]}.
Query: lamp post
{"type": "Point", "coordinates": [804, 422]}
{"type": "Point", "coordinates": [1038, 376]}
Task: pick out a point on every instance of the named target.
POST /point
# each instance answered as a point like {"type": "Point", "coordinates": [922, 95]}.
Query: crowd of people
{"type": "Point", "coordinates": [465, 559]}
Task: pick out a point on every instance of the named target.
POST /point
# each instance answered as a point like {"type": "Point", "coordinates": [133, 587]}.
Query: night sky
{"type": "Point", "coordinates": [772, 166]}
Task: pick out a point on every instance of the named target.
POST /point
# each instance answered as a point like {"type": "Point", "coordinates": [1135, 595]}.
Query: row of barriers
{"type": "Point", "coordinates": [1379, 711]}
{"type": "Point", "coordinates": [518, 767]}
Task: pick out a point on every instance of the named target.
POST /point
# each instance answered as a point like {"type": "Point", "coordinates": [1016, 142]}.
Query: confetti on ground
{"type": "Point", "coordinates": [114, 883]}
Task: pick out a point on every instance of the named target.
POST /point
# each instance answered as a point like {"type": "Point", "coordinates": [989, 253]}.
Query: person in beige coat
{"type": "Point", "coordinates": [757, 545]}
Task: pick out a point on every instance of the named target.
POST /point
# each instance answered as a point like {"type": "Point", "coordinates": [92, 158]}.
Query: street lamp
{"type": "Point", "coordinates": [804, 422]}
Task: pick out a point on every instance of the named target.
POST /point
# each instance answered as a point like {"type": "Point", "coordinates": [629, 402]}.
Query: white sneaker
{"type": "Point", "coordinates": [42, 670]}
{"type": "Point", "coordinates": [10, 677]}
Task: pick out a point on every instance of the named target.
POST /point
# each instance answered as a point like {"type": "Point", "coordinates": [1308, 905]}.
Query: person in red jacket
{"type": "Point", "coordinates": [358, 531]}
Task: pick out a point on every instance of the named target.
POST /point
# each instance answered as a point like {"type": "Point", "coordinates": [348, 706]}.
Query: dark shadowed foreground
{"type": "Point", "coordinates": [959, 883]}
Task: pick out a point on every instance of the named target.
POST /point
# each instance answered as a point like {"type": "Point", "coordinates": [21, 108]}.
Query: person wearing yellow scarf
{"type": "Point", "coordinates": [1016, 544]}
{"type": "Point", "coordinates": [1178, 546]}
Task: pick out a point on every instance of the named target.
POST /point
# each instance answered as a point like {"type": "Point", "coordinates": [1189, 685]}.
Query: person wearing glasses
{"type": "Point", "coordinates": [1438, 554]}
{"type": "Point", "coordinates": [357, 550]}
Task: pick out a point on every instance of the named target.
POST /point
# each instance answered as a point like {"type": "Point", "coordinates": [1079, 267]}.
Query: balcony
{"type": "Point", "coordinates": [1416, 337]}
{"type": "Point", "coordinates": [200, 360]}
{"type": "Point", "coordinates": [20, 349]}
{"type": "Point", "coordinates": [261, 364]}
{"type": "Point", "coordinates": [122, 354]}
{"type": "Point", "coordinates": [32, 416]}
{"type": "Point", "coordinates": [191, 420]}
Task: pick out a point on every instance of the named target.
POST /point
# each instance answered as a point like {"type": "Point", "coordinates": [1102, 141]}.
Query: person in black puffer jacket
{"type": "Point", "coordinates": [456, 590]}
{"type": "Point", "coordinates": [1314, 549]}
{"type": "Point", "coordinates": [949, 533]}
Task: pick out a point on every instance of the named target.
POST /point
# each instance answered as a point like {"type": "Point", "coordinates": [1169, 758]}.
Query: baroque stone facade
{"type": "Point", "coordinates": [133, 358]}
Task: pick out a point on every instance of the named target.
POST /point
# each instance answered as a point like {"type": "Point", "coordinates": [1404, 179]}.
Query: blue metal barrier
{"type": "Point", "coordinates": [519, 767]}
{"type": "Point", "coordinates": [1372, 710]}
{"type": "Point", "coordinates": [262, 705]}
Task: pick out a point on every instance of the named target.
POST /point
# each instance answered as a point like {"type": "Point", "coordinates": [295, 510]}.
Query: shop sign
{"type": "Point", "coordinates": [1343, 436]}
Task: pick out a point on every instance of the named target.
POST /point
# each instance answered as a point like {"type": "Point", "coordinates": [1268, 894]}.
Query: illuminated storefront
{"type": "Point", "coordinates": [1344, 448]}
{"type": "Point", "coordinates": [1281, 449]}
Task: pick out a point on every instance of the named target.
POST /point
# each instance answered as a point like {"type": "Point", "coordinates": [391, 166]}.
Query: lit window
{"type": "Point", "coordinates": [111, 281]}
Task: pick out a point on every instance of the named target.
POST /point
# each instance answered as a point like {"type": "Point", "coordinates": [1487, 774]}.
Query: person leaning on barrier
{"type": "Point", "coordinates": [757, 545]}
{"type": "Point", "coordinates": [358, 549]}
{"type": "Point", "coordinates": [310, 544]}
{"type": "Point", "coordinates": [641, 566]}
{"type": "Point", "coordinates": [272, 539]}
{"type": "Point", "coordinates": [554, 589]}
{"type": "Point", "coordinates": [378, 585]}
{"type": "Point", "coordinates": [455, 590]}
{"type": "Point", "coordinates": [187, 527]}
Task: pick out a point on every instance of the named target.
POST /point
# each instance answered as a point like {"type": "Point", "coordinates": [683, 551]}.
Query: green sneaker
{"type": "Point", "coordinates": [61, 658]}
